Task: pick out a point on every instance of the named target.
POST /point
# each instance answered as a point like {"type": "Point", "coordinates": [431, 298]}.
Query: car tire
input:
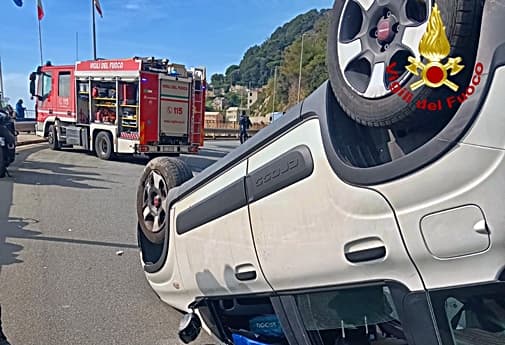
{"type": "Point", "coordinates": [369, 100]}
{"type": "Point", "coordinates": [159, 176]}
{"type": "Point", "coordinates": [103, 146]}
{"type": "Point", "coordinates": [52, 138]}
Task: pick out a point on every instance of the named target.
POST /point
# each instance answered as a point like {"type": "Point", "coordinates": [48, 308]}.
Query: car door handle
{"type": "Point", "coordinates": [50, 111]}
{"type": "Point", "coordinates": [366, 255]}
{"type": "Point", "coordinates": [245, 272]}
{"type": "Point", "coordinates": [366, 249]}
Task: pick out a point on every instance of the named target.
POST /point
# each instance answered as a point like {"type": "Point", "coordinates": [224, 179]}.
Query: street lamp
{"type": "Point", "coordinates": [301, 63]}
{"type": "Point", "coordinates": [275, 86]}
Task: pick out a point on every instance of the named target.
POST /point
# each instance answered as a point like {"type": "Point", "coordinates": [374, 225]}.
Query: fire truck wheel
{"type": "Point", "coordinates": [52, 138]}
{"type": "Point", "coordinates": [103, 146]}
{"type": "Point", "coordinates": [368, 50]}
{"type": "Point", "coordinates": [159, 176]}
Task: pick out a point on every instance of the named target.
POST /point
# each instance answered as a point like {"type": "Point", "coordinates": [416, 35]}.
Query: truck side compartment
{"type": "Point", "coordinates": [144, 105]}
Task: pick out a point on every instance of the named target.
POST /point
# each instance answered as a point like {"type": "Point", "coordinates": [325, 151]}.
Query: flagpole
{"type": "Point", "coordinates": [77, 46]}
{"type": "Point", "coordinates": [1, 82]}
{"type": "Point", "coordinates": [40, 45]}
{"type": "Point", "coordinates": [94, 29]}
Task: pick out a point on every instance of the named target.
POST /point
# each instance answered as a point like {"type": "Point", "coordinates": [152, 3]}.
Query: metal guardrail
{"type": "Point", "coordinates": [213, 133]}
{"type": "Point", "coordinates": [25, 126]}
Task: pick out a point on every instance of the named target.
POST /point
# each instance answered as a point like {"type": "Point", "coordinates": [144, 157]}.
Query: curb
{"type": "Point", "coordinates": [29, 142]}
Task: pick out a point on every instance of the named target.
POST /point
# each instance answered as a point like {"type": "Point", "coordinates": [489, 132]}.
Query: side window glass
{"type": "Point", "coordinates": [472, 315]}
{"type": "Point", "coordinates": [64, 84]}
{"type": "Point", "coordinates": [46, 84]}
{"type": "Point", "coordinates": [365, 315]}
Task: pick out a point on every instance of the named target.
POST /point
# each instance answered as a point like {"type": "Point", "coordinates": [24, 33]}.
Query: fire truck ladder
{"type": "Point", "coordinates": [198, 109]}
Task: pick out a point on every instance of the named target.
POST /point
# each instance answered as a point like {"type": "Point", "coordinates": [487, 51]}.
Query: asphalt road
{"type": "Point", "coordinates": [63, 218]}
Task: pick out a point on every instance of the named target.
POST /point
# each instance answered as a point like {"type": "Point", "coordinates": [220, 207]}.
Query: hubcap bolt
{"type": "Point", "coordinates": [388, 14]}
{"type": "Point", "coordinates": [386, 46]}
{"type": "Point", "coordinates": [376, 33]}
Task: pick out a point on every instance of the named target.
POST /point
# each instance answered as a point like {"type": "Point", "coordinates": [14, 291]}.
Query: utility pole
{"type": "Point", "coordinates": [248, 92]}
{"type": "Point", "coordinates": [76, 46]}
{"type": "Point", "coordinates": [275, 87]}
{"type": "Point", "coordinates": [301, 64]}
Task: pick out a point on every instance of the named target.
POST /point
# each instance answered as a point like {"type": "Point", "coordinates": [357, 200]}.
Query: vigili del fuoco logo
{"type": "Point", "coordinates": [435, 48]}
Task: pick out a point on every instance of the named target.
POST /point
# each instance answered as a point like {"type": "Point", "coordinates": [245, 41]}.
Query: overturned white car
{"type": "Point", "coordinates": [371, 213]}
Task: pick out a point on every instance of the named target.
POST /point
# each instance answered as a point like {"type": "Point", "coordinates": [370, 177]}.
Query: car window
{"type": "Point", "coordinates": [358, 316]}
{"type": "Point", "coordinates": [64, 84]}
{"type": "Point", "coordinates": [46, 84]}
{"type": "Point", "coordinates": [471, 316]}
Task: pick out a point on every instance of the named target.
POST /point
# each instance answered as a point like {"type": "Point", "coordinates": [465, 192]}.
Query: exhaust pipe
{"type": "Point", "coordinates": [189, 327]}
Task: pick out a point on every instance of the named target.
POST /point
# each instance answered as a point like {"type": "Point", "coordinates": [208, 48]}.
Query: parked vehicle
{"type": "Point", "coordinates": [370, 213]}
{"type": "Point", "coordinates": [125, 106]}
{"type": "Point", "coordinates": [8, 135]}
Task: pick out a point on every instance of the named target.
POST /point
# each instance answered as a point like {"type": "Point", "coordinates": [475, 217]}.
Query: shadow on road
{"type": "Point", "coordinates": [12, 228]}
{"type": "Point", "coordinates": [57, 174]}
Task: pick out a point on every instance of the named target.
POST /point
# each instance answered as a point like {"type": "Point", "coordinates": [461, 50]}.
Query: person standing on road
{"type": "Point", "coordinates": [20, 110]}
{"type": "Point", "coordinates": [244, 123]}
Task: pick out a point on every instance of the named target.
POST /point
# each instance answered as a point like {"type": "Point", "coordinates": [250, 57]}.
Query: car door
{"type": "Point", "coordinates": [64, 92]}
{"type": "Point", "coordinates": [45, 104]}
{"type": "Point", "coordinates": [310, 228]}
{"type": "Point", "coordinates": [214, 244]}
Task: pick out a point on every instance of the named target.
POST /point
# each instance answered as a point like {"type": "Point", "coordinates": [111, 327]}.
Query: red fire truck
{"type": "Point", "coordinates": [137, 105]}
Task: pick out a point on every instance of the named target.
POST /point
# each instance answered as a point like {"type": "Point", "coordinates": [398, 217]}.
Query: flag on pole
{"type": "Point", "coordinates": [98, 7]}
{"type": "Point", "coordinates": [40, 10]}
{"type": "Point", "coordinates": [19, 2]}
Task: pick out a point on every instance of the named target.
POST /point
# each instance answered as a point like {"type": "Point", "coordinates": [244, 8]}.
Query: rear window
{"type": "Point", "coordinates": [471, 316]}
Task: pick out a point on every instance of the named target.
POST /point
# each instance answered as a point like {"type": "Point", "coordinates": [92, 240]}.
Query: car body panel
{"type": "Point", "coordinates": [471, 174]}
{"type": "Point", "coordinates": [303, 231]}
{"type": "Point", "coordinates": [211, 254]}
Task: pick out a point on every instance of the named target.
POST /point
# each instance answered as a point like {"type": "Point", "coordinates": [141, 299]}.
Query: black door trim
{"type": "Point", "coordinates": [281, 172]}
{"type": "Point", "coordinates": [227, 200]}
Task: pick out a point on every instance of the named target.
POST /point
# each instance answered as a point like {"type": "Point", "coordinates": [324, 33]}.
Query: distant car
{"type": "Point", "coordinates": [370, 213]}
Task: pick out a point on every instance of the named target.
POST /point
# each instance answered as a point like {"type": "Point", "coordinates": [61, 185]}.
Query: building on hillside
{"type": "Point", "coordinates": [238, 88]}
{"type": "Point", "coordinates": [252, 97]}
{"type": "Point", "coordinates": [233, 113]}
{"type": "Point", "coordinates": [219, 103]}
{"type": "Point", "coordinates": [209, 93]}
{"type": "Point", "coordinates": [213, 119]}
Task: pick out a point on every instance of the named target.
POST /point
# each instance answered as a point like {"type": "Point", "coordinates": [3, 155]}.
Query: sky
{"type": "Point", "coordinates": [214, 34]}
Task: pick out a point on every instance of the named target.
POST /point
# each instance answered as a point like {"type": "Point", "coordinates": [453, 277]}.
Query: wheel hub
{"type": "Point", "coordinates": [154, 197]}
{"type": "Point", "coordinates": [157, 201]}
{"type": "Point", "coordinates": [385, 32]}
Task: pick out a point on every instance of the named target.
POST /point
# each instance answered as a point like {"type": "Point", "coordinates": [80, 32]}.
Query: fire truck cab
{"type": "Point", "coordinates": [124, 106]}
